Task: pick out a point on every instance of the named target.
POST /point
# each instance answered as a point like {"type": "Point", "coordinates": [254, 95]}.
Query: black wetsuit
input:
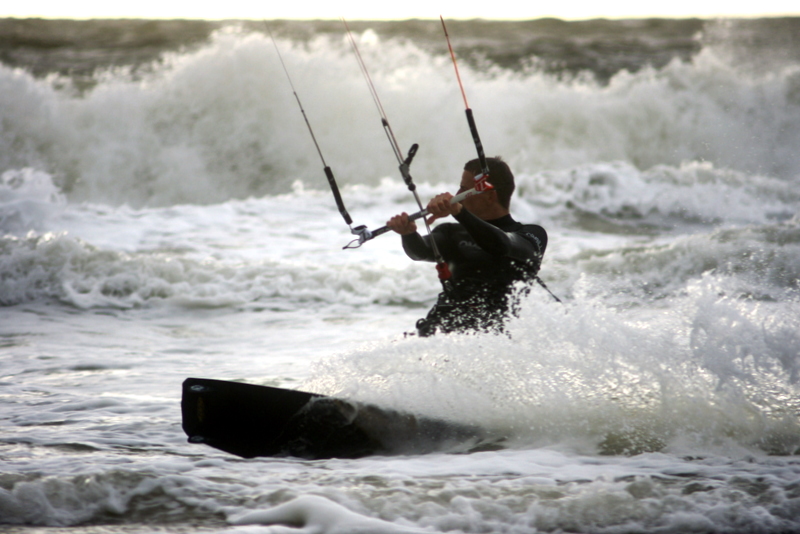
{"type": "Point", "coordinates": [485, 258]}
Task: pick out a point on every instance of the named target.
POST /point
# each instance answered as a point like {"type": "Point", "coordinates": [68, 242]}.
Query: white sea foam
{"type": "Point", "coordinates": [598, 379]}
{"type": "Point", "coordinates": [221, 122]}
{"type": "Point", "coordinates": [28, 198]}
{"type": "Point", "coordinates": [317, 514]}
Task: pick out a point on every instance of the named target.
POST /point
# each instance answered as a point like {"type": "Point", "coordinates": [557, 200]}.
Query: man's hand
{"type": "Point", "coordinates": [401, 224]}
{"type": "Point", "coordinates": [440, 207]}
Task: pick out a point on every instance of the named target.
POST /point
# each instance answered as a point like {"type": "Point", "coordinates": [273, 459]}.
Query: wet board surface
{"type": "Point", "coordinates": [250, 420]}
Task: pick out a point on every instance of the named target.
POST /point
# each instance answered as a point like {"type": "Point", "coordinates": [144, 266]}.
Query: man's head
{"type": "Point", "coordinates": [500, 177]}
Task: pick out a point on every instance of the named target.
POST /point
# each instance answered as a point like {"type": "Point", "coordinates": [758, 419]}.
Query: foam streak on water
{"type": "Point", "coordinates": [169, 218]}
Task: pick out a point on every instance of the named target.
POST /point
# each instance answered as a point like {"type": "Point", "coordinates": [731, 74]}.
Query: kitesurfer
{"type": "Point", "coordinates": [487, 251]}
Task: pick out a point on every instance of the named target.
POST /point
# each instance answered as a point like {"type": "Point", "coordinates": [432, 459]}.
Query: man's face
{"type": "Point", "coordinates": [467, 182]}
{"type": "Point", "coordinates": [475, 203]}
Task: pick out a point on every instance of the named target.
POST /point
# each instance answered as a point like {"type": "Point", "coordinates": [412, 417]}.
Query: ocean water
{"type": "Point", "coordinates": [164, 214]}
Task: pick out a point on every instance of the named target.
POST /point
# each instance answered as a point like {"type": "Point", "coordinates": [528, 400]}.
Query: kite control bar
{"type": "Point", "coordinates": [365, 234]}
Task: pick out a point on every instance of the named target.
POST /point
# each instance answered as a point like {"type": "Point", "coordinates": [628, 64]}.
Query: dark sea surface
{"type": "Point", "coordinates": [602, 47]}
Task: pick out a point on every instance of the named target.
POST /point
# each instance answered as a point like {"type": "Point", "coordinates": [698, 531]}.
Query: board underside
{"type": "Point", "coordinates": [249, 420]}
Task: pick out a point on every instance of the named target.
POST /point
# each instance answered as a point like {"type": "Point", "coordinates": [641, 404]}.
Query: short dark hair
{"type": "Point", "coordinates": [500, 177]}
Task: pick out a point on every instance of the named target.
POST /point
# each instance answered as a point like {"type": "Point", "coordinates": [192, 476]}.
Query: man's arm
{"type": "Point", "coordinates": [416, 247]}
{"type": "Point", "coordinates": [499, 242]}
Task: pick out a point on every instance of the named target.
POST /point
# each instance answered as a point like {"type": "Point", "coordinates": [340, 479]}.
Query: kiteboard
{"type": "Point", "coordinates": [249, 420]}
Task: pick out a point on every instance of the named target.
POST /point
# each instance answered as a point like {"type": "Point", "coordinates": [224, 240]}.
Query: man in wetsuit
{"type": "Point", "coordinates": [486, 249]}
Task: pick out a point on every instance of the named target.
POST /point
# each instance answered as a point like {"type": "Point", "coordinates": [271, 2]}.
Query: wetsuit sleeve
{"type": "Point", "coordinates": [416, 247]}
{"type": "Point", "coordinates": [496, 241]}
